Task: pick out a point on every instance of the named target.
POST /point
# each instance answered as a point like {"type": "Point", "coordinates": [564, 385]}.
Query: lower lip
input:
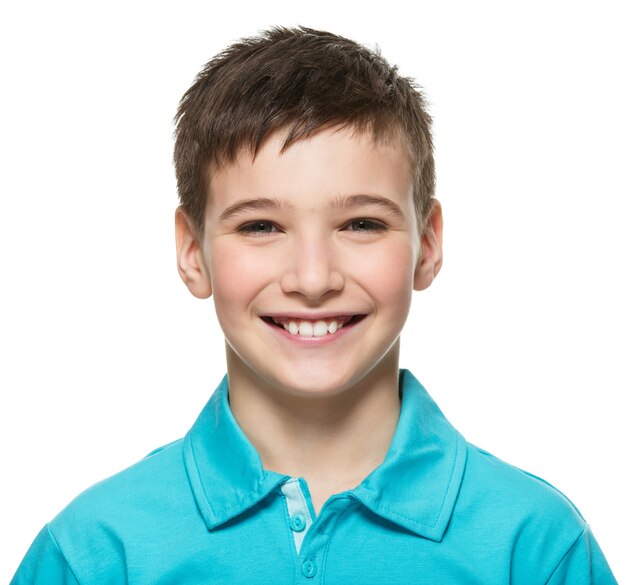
{"type": "Point", "coordinates": [314, 341]}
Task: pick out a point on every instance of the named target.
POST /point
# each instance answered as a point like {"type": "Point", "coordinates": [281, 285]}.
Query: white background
{"type": "Point", "coordinates": [105, 355]}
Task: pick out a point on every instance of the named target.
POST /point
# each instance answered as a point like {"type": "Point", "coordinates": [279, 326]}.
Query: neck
{"type": "Point", "coordinates": [334, 441]}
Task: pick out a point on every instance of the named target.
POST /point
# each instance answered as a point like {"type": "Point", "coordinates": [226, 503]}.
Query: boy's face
{"type": "Point", "coordinates": [311, 257]}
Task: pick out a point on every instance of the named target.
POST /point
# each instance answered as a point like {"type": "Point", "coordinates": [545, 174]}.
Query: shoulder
{"type": "Point", "coordinates": [142, 483]}
{"type": "Point", "coordinates": [494, 483]}
{"type": "Point", "coordinates": [94, 532]}
{"type": "Point", "coordinates": [501, 478]}
{"type": "Point", "coordinates": [535, 521]}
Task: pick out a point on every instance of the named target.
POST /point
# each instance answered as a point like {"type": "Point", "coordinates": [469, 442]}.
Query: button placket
{"type": "Point", "coordinates": [299, 516]}
{"type": "Point", "coordinates": [315, 546]}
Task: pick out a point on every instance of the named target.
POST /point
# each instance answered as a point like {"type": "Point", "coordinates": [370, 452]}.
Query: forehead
{"type": "Point", "coordinates": [312, 172]}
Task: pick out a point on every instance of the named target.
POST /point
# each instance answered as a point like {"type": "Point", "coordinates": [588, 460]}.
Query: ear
{"type": "Point", "coordinates": [431, 240]}
{"type": "Point", "coordinates": [189, 258]}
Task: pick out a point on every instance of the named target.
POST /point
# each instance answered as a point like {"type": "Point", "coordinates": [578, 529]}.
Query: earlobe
{"type": "Point", "coordinates": [431, 240]}
{"type": "Point", "coordinates": [189, 258]}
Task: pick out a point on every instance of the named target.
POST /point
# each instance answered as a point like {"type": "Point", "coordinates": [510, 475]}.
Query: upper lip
{"type": "Point", "coordinates": [306, 316]}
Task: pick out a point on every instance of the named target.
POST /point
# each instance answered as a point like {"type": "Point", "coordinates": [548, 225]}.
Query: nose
{"type": "Point", "coordinates": [312, 269]}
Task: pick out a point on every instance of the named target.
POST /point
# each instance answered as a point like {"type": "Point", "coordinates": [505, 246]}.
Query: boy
{"type": "Point", "coordinates": [306, 179]}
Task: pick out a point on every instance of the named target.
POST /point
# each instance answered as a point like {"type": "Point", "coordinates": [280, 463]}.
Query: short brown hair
{"type": "Point", "coordinates": [299, 80]}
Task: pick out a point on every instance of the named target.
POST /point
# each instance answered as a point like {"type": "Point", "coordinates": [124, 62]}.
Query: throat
{"type": "Point", "coordinates": [333, 442]}
{"type": "Point", "coordinates": [331, 460]}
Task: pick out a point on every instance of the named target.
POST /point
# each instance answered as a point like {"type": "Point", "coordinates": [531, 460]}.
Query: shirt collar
{"type": "Point", "coordinates": [224, 469]}
{"type": "Point", "coordinates": [417, 484]}
{"type": "Point", "coordinates": [415, 487]}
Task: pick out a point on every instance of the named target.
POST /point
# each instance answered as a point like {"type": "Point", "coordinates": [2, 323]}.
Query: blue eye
{"type": "Point", "coordinates": [258, 228]}
{"type": "Point", "coordinates": [365, 225]}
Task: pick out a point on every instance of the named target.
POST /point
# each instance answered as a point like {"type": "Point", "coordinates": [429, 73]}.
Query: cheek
{"type": "Point", "coordinates": [235, 276]}
{"type": "Point", "coordinates": [387, 272]}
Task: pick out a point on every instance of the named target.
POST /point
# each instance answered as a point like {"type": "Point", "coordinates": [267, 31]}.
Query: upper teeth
{"type": "Point", "coordinates": [311, 328]}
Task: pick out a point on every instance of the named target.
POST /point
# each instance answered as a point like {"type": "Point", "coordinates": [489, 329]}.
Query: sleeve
{"type": "Point", "coordinates": [44, 564]}
{"type": "Point", "coordinates": [583, 564]}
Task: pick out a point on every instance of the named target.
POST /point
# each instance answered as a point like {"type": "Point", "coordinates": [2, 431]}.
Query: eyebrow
{"type": "Point", "coordinates": [356, 201]}
{"type": "Point", "coordinates": [344, 202]}
{"type": "Point", "coordinates": [252, 204]}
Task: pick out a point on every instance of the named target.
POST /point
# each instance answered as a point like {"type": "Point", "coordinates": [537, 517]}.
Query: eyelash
{"type": "Point", "coordinates": [371, 225]}
{"type": "Point", "coordinates": [253, 228]}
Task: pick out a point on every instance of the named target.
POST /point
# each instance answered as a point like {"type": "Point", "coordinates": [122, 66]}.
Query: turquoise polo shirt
{"type": "Point", "coordinates": [203, 510]}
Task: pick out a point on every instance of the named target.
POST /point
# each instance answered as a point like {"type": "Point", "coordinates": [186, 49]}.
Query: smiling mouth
{"type": "Point", "coordinates": [313, 328]}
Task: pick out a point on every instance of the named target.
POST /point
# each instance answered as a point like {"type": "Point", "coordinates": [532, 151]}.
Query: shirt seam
{"type": "Point", "coordinates": [63, 555]}
{"type": "Point", "coordinates": [567, 552]}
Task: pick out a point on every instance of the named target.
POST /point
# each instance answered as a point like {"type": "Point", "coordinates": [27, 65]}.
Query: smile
{"type": "Point", "coordinates": [313, 327]}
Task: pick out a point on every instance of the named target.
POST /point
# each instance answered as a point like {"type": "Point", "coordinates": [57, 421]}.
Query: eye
{"type": "Point", "coordinates": [365, 225]}
{"type": "Point", "coordinates": [258, 228]}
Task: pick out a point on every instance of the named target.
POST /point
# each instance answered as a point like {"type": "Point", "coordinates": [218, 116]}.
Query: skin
{"type": "Point", "coordinates": [291, 236]}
